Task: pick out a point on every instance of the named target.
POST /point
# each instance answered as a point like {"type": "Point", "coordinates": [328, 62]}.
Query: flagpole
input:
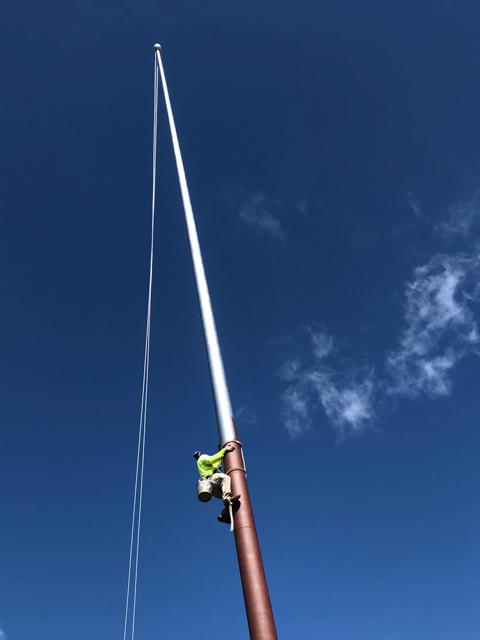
{"type": "Point", "coordinates": [259, 612]}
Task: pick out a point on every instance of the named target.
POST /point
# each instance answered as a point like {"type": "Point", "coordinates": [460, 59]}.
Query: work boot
{"type": "Point", "coordinates": [224, 516]}
{"type": "Point", "coordinates": [231, 500]}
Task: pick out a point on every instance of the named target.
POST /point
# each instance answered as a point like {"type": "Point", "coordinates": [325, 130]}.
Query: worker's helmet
{"type": "Point", "coordinates": [197, 454]}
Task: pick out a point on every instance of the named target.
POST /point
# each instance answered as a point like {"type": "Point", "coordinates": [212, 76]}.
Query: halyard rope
{"type": "Point", "coordinates": [138, 491]}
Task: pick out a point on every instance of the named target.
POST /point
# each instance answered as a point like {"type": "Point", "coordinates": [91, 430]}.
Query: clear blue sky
{"type": "Point", "coordinates": [333, 154]}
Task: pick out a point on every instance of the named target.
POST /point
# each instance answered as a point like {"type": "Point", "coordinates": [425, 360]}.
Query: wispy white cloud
{"type": "Point", "coordinates": [439, 329]}
{"type": "Point", "coordinates": [322, 344]}
{"type": "Point", "coordinates": [297, 409]}
{"type": "Point", "coordinates": [440, 326]}
{"type": "Point", "coordinates": [347, 398]}
{"type": "Point", "coordinates": [262, 214]}
{"type": "Point", "coordinates": [414, 203]}
{"type": "Point", "coordinates": [461, 217]}
{"type": "Point", "coordinates": [415, 206]}
{"type": "Point", "coordinates": [300, 205]}
{"type": "Point", "coordinates": [246, 416]}
{"type": "Point", "coordinates": [289, 369]}
{"type": "Point", "coordinates": [348, 405]}
{"type": "Point", "coordinates": [2, 634]}
{"type": "Point", "coordinates": [265, 214]}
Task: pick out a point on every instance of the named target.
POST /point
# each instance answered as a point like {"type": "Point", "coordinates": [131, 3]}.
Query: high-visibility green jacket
{"type": "Point", "coordinates": [208, 465]}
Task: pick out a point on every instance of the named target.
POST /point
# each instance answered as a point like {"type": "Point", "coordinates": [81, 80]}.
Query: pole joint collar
{"type": "Point", "coordinates": [236, 469]}
{"type": "Point", "coordinates": [222, 446]}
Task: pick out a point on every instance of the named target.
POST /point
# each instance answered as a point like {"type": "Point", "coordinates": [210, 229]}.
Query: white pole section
{"type": "Point", "coordinates": [223, 406]}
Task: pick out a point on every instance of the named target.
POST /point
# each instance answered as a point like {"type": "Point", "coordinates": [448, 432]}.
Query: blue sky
{"type": "Point", "coordinates": [332, 151]}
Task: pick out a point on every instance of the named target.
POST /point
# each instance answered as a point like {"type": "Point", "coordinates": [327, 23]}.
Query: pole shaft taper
{"type": "Point", "coordinates": [260, 618]}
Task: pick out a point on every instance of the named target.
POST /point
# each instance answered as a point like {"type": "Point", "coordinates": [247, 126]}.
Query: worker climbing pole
{"type": "Point", "coordinates": [235, 493]}
{"type": "Point", "coordinates": [214, 482]}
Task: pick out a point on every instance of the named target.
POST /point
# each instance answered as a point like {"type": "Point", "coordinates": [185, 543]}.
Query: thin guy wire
{"type": "Point", "coordinates": [136, 520]}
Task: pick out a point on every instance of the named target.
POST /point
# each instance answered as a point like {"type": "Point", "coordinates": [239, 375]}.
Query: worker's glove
{"type": "Point", "coordinates": [229, 447]}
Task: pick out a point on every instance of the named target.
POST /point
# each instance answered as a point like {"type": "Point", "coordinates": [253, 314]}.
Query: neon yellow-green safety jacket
{"type": "Point", "coordinates": [208, 465]}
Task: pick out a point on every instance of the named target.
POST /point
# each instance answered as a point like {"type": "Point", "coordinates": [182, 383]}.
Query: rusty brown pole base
{"type": "Point", "coordinates": [261, 623]}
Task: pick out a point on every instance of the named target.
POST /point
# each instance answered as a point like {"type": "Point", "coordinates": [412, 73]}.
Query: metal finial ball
{"type": "Point", "coordinates": [157, 47]}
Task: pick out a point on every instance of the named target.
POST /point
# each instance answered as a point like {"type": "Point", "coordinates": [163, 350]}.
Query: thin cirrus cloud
{"type": "Point", "coordinates": [440, 326]}
{"type": "Point", "coordinates": [345, 396]}
{"type": "Point", "coordinates": [439, 329]}
{"type": "Point", "coordinates": [264, 214]}
{"type": "Point", "coordinates": [246, 416]}
{"type": "Point", "coordinates": [261, 214]}
{"type": "Point", "coordinates": [461, 217]}
{"type": "Point", "coordinates": [414, 204]}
